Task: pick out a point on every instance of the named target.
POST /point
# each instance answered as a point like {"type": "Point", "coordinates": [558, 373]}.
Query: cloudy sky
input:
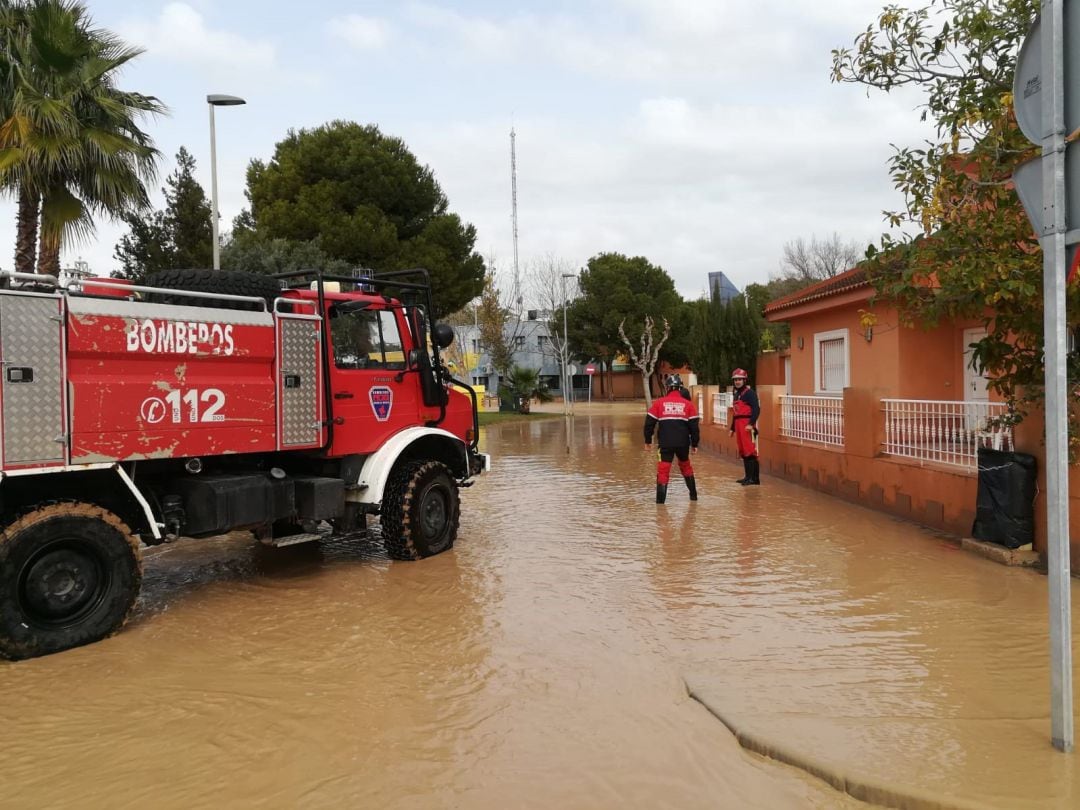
{"type": "Point", "coordinates": [702, 134]}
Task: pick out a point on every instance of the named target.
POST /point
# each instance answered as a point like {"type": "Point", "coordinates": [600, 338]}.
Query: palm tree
{"type": "Point", "coordinates": [70, 145]}
{"type": "Point", "coordinates": [523, 385]}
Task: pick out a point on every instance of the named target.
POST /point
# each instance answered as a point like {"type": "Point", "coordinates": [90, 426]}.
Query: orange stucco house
{"type": "Point", "coordinates": [834, 346]}
{"type": "Point", "coordinates": [878, 413]}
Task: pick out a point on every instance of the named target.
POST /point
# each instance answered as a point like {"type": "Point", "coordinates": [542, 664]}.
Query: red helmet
{"type": "Point", "coordinates": [739, 373]}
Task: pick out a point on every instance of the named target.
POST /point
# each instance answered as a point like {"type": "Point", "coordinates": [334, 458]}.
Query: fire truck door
{"type": "Point", "coordinates": [32, 381]}
{"type": "Point", "coordinates": [374, 396]}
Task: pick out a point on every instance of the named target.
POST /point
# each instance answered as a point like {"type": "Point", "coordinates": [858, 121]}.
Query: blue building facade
{"type": "Point", "coordinates": [720, 284]}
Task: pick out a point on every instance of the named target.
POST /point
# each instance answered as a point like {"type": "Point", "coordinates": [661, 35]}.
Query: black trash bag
{"type": "Point", "coordinates": [1005, 506]}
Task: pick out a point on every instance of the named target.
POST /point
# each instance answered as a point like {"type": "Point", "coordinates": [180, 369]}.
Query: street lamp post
{"type": "Point", "coordinates": [217, 100]}
{"type": "Point", "coordinates": [565, 347]}
{"type": "Point", "coordinates": [476, 342]}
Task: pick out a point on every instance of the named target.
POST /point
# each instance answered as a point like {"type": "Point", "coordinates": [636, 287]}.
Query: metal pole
{"type": "Point", "coordinates": [213, 190]}
{"type": "Point", "coordinates": [1057, 427]}
{"type": "Point", "coordinates": [566, 339]}
{"type": "Point", "coordinates": [565, 354]}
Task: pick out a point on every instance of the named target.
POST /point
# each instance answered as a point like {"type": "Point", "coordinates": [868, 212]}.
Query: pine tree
{"type": "Point", "coordinates": [187, 214]}
{"type": "Point", "coordinates": [176, 237]}
{"type": "Point", "coordinates": [725, 336]}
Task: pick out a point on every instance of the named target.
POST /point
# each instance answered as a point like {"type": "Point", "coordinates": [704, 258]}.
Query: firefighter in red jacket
{"type": "Point", "coordinates": [745, 410]}
{"type": "Point", "coordinates": [676, 423]}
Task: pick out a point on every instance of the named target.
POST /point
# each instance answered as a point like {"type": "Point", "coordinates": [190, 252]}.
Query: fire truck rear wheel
{"type": "Point", "coordinates": [420, 510]}
{"type": "Point", "coordinates": [69, 575]}
{"type": "Point", "coordinates": [227, 282]}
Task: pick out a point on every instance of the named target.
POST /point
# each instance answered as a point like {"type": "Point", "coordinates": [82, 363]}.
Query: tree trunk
{"type": "Point", "coordinates": [26, 238]}
{"type": "Point", "coordinates": [48, 256]}
{"type": "Point", "coordinates": [646, 383]}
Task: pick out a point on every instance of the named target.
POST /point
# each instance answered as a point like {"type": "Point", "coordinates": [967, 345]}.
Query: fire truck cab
{"type": "Point", "coordinates": [207, 402]}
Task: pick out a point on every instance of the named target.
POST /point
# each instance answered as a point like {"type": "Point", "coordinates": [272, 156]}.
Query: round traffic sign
{"type": "Point", "coordinates": [1028, 79]}
{"type": "Point", "coordinates": [590, 369]}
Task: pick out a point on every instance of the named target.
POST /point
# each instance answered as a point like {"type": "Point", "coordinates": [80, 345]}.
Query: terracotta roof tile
{"type": "Point", "coordinates": [848, 280]}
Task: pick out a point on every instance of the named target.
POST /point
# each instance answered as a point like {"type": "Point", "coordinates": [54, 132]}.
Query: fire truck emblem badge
{"type": "Point", "coordinates": [382, 402]}
{"type": "Point", "coordinates": [152, 410]}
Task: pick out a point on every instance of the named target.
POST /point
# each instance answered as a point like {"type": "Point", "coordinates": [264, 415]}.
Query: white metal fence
{"type": "Point", "coordinates": [945, 432]}
{"type": "Point", "coordinates": [812, 419]}
{"type": "Point", "coordinates": [720, 404]}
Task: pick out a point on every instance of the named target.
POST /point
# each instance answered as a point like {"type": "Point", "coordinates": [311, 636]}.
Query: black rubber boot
{"type": "Point", "coordinates": [691, 485]}
{"type": "Point", "coordinates": [661, 493]}
{"type": "Point", "coordinates": [746, 472]}
{"type": "Point", "coordinates": [755, 473]}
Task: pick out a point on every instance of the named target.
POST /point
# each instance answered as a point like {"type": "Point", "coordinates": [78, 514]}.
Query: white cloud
{"type": "Point", "coordinates": [361, 33]}
{"type": "Point", "coordinates": [657, 40]}
{"type": "Point", "coordinates": [180, 34]}
{"type": "Point", "coordinates": [477, 37]}
{"type": "Point", "coordinates": [702, 134]}
{"type": "Point", "coordinates": [693, 186]}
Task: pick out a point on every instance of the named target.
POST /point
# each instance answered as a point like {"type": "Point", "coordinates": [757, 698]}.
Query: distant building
{"type": "Point", "coordinates": [721, 285]}
{"type": "Point", "coordinates": [79, 271]}
{"type": "Point", "coordinates": [532, 349]}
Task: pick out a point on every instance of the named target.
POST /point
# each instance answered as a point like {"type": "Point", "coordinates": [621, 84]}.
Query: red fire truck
{"type": "Point", "coordinates": [207, 402]}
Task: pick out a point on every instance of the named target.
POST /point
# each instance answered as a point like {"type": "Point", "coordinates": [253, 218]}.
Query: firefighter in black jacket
{"type": "Point", "coordinates": [677, 425]}
{"type": "Point", "coordinates": [745, 411]}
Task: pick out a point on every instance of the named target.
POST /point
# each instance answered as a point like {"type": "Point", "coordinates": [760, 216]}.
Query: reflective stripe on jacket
{"type": "Point", "coordinates": [674, 420]}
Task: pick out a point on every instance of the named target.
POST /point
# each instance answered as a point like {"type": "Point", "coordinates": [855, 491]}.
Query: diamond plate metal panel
{"type": "Point", "coordinates": [30, 338]}
{"type": "Point", "coordinates": [300, 405]}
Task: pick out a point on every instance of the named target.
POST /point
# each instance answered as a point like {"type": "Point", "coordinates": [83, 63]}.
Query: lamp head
{"type": "Point", "coordinates": [218, 100]}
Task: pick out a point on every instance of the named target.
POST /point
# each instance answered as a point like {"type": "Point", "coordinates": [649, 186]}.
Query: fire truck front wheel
{"type": "Point", "coordinates": [69, 575]}
{"type": "Point", "coordinates": [420, 510]}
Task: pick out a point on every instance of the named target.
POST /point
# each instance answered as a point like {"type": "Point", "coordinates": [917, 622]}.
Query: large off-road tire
{"type": "Point", "coordinates": [228, 282]}
{"type": "Point", "coordinates": [421, 510]}
{"type": "Point", "coordinates": [69, 575]}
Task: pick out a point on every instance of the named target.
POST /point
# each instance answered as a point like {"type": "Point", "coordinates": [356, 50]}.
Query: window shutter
{"type": "Point", "coordinates": [832, 365]}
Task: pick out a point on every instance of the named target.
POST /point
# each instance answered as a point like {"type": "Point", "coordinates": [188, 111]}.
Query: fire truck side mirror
{"type": "Point", "coordinates": [444, 335]}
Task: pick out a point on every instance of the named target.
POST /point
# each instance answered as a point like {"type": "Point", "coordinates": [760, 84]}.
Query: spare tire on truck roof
{"type": "Point", "coordinates": [226, 282]}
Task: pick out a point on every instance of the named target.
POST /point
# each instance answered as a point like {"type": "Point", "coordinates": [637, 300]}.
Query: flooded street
{"type": "Point", "coordinates": [544, 662]}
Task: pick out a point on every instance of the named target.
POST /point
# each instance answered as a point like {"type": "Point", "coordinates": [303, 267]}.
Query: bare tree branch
{"type": "Point", "coordinates": [650, 350]}
{"type": "Point", "coordinates": [819, 259]}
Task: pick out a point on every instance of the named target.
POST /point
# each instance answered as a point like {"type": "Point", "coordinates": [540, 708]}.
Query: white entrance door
{"type": "Point", "coordinates": [976, 383]}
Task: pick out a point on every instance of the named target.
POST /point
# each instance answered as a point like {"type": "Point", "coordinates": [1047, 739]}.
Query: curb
{"type": "Point", "coordinates": [858, 786]}
{"type": "Point", "coordinates": [1025, 557]}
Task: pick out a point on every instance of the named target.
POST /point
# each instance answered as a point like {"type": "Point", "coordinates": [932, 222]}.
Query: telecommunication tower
{"type": "Point", "coordinates": [514, 213]}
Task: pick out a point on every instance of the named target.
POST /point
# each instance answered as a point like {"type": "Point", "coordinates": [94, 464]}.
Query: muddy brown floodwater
{"type": "Point", "coordinates": [543, 662]}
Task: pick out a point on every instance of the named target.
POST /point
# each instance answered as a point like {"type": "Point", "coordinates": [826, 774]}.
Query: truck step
{"type": "Point", "coordinates": [294, 539]}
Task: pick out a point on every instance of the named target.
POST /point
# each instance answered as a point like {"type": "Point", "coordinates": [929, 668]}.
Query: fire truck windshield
{"type": "Point", "coordinates": [366, 339]}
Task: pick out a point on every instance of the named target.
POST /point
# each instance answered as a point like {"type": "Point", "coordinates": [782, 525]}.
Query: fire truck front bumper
{"type": "Point", "coordinates": [479, 463]}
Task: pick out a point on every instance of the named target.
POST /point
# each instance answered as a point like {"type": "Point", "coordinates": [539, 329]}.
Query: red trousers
{"type": "Point", "coordinates": [744, 439]}
{"type": "Point", "coordinates": [663, 466]}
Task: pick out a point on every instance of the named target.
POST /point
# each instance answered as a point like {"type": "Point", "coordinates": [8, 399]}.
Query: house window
{"type": "Point", "coordinates": [480, 381]}
{"type": "Point", "coordinates": [542, 342]}
{"type": "Point", "coordinates": [519, 343]}
{"type": "Point", "coordinates": [477, 347]}
{"type": "Point", "coordinates": [832, 372]}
